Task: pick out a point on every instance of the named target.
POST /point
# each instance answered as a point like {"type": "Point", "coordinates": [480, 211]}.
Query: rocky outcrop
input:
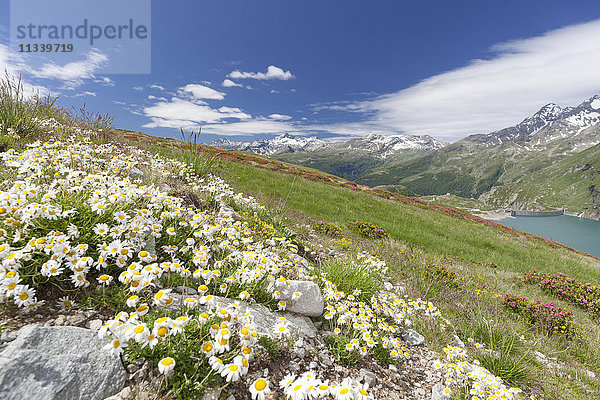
{"type": "Point", "coordinates": [58, 362]}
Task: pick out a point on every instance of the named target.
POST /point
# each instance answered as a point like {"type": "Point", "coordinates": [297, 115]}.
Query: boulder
{"type": "Point", "coordinates": [412, 337]}
{"type": "Point", "coordinates": [136, 174]}
{"type": "Point", "coordinates": [310, 303]}
{"type": "Point", "coordinates": [264, 319]}
{"type": "Point", "coordinates": [59, 362]}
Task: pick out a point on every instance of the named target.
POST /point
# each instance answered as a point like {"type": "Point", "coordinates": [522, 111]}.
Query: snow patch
{"type": "Point", "coordinates": [595, 104]}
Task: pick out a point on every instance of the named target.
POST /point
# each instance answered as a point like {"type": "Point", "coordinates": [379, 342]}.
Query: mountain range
{"type": "Point", "coordinates": [550, 159]}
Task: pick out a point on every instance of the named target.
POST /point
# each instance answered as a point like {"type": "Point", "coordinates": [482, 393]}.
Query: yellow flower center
{"type": "Point", "coordinates": [167, 361]}
{"type": "Point", "coordinates": [24, 296]}
{"type": "Point", "coordinates": [116, 344]}
{"type": "Point", "coordinates": [162, 331]}
{"type": "Point", "coordinates": [11, 285]}
{"type": "Point", "coordinates": [344, 391]}
{"type": "Point", "coordinates": [260, 385]}
{"type": "Point", "coordinates": [139, 329]}
{"type": "Point", "coordinates": [207, 347]}
{"type": "Point", "coordinates": [233, 367]}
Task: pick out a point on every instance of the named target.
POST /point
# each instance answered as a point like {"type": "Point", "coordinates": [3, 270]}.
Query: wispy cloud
{"type": "Point", "coordinates": [559, 66]}
{"type": "Point", "coordinates": [74, 73]}
{"type": "Point", "coordinates": [85, 94]}
{"type": "Point", "coordinates": [14, 69]}
{"type": "Point", "coordinates": [273, 72]}
{"type": "Point", "coordinates": [159, 87]}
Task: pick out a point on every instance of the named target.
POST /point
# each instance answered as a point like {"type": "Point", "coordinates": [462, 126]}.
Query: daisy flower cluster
{"type": "Point", "coordinates": [309, 386]}
{"type": "Point", "coordinates": [375, 323]}
{"type": "Point", "coordinates": [480, 383]}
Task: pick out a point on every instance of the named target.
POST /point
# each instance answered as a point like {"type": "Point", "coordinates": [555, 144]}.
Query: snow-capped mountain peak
{"type": "Point", "coordinates": [381, 145]}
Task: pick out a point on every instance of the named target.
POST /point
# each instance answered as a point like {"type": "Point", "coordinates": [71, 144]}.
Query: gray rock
{"type": "Point", "coordinates": [293, 366]}
{"type": "Point", "coordinates": [388, 286]}
{"type": "Point", "coordinates": [127, 393]}
{"type": "Point", "coordinates": [367, 377]}
{"type": "Point", "coordinates": [164, 187]}
{"type": "Point", "coordinates": [299, 260]}
{"type": "Point", "coordinates": [313, 365]}
{"type": "Point", "coordinates": [59, 363]}
{"type": "Point", "coordinates": [60, 320]}
{"type": "Point", "coordinates": [229, 212]}
{"type": "Point", "coordinates": [264, 319]}
{"type": "Point", "coordinates": [150, 245]}
{"type": "Point", "coordinates": [186, 290]}
{"type": "Point", "coordinates": [76, 320]}
{"type": "Point", "coordinates": [311, 301]}
{"type": "Point", "coordinates": [412, 338]}
{"type": "Point", "coordinates": [9, 336]}
{"type": "Point", "coordinates": [135, 174]}
{"type": "Point", "coordinates": [95, 324]}
{"type": "Point", "coordinates": [437, 392]}
{"type": "Point", "coordinates": [300, 352]}
{"type": "Point", "coordinates": [213, 394]}
{"type": "Point", "coordinates": [458, 342]}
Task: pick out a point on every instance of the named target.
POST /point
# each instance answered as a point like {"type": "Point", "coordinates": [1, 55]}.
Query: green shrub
{"type": "Point", "coordinates": [368, 229]}
{"type": "Point", "coordinates": [337, 346]}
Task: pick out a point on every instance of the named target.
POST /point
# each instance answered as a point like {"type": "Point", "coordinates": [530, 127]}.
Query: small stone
{"type": "Point", "coordinates": [314, 365]}
{"type": "Point", "coordinates": [213, 394]}
{"type": "Point", "coordinates": [338, 368]}
{"type": "Point", "coordinates": [412, 338]}
{"type": "Point", "coordinates": [95, 324]}
{"type": "Point", "coordinates": [458, 342]}
{"type": "Point", "coordinates": [420, 391]}
{"type": "Point", "coordinates": [135, 174]}
{"type": "Point", "coordinates": [126, 393]}
{"type": "Point", "coordinates": [132, 368]}
{"type": "Point", "coordinates": [367, 377]}
{"type": "Point", "coordinates": [293, 366]}
{"type": "Point", "coordinates": [76, 320]}
{"type": "Point", "coordinates": [300, 352]}
{"type": "Point", "coordinates": [388, 286]}
{"type": "Point", "coordinates": [393, 368]}
{"type": "Point", "coordinates": [164, 187]}
{"type": "Point", "coordinates": [186, 290]}
{"type": "Point", "coordinates": [60, 320]}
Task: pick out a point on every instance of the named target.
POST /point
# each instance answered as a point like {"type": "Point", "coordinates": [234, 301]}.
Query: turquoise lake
{"type": "Point", "coordinates": [579, 233]}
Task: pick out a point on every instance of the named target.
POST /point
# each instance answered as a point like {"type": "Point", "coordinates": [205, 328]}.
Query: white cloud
{"type": "Point", "coordinates": [230, 83]}
{"type": "Point", "coordinates": [73, 73]}
{"type": "Point", "coordinates": [105, 81]}
{"type": "Point", "coordinates": [251, 127]}
{"type": "Point", "coordinates": [559, 66]}
{"type": "Point", "coordinates": [280, 117]}
{"type": "Point", "coordinates": [200, 92]}
{"type": "Point", "coordinates": [85, 94]}
{"type": "Point", "coordinates": [138, 88]}
{"type": "Point", "coordinates": [273, 91]}
{"type": "Point", "coordinates": [14, 69]}
{"type": "Point", "coordinates": [157, 87]}
{"type": "Point", "coordinates": [273, 72]}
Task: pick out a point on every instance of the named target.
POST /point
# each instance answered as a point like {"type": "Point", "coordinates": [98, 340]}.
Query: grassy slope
{"type": "Point", "coordinates": [421, 235]}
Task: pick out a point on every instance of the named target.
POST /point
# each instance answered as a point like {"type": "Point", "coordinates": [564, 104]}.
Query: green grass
{"type": "Point", "coordinates": [348, 277]}
{"type": "Point", "coordinates": [438, 233]}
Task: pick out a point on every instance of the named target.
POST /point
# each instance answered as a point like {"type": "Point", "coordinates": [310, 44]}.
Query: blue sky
{"type": "Point", "coordinates": [249, 69]}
